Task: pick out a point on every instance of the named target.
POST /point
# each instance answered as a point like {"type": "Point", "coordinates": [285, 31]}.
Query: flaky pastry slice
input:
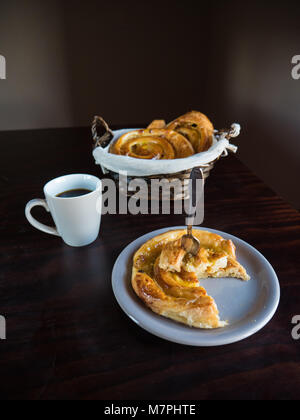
{"type": "Point", "coordinates": [166, 279]}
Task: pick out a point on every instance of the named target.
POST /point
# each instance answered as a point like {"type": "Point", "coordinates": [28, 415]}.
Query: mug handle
{"type": "Point", "coordinates": [34, 222]}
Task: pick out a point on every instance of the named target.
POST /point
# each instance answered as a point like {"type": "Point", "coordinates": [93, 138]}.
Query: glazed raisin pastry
{"type": "Point", "coordinates": [166, 278]}
{"type": "Point", "coordinates": [197, 128]}
{"type": "Point", "coordinates": [153, 144]}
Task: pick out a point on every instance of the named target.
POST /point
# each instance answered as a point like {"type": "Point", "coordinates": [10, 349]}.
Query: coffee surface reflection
{"type": "Point", "coordinates": [74, 193]}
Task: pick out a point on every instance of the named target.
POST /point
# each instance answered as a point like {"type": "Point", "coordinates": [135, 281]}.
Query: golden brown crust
{"type": "Point", "coordinates": [153, 144]}
{"type": "Point", "coordinates": [197, 128]}
{"type": "Point", "coordinates": [189, 134]}
{"type": "Point", "coordinates": [166, 279]}
{"type": "Point", "coordinates": [157, 124]}
{"type": "Point", "coordinates": [199, 312]}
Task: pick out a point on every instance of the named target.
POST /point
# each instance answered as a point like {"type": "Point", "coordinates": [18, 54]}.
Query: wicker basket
{"type": "Point", "coordinates": [102, 137]}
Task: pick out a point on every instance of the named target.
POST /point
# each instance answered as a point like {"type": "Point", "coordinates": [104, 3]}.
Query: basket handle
{"type": "Point", "coordinates": [229, 133]}
{"type": "Point", "coordinates": [106, 137]}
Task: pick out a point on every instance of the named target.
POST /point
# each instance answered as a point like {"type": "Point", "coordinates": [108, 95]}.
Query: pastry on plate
{"type": "Point", "coordinates": [166, 278]}
{"type": "Point", "coordinates": [153, 143]}
{"type": "Point", "coordinates": [197, 128]}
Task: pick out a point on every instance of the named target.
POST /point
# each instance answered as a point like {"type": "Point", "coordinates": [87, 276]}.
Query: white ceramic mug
{"type": "Point", "coordinates": [77, 219]}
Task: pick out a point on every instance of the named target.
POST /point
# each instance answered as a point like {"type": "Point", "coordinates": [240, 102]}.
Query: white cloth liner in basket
{"type": "Point", "coordinates": [143, 167]}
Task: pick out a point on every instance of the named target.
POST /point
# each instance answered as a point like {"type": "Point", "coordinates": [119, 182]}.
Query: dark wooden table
{"type": "Point", "coordinates": [67, 338]}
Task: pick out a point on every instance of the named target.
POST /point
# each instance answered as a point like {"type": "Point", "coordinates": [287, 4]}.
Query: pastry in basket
{"type": "Point", "coordinates": [157, 124]}
{"type": "Point", "coordinates": [197, 128]}
{"type": "Point", "coordinates": [189, 134]}
{"type": "Point", "coordinates": [153, 143]}
{"type": "Point", "coordinates": [166, 278]}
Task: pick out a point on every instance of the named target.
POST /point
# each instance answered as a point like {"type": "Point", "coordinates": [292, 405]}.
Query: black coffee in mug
{"type": "Point", "coordinates": [74, 193]}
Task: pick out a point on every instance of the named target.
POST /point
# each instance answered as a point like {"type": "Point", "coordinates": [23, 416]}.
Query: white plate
{"type": "Point", "coordinates": [248, 306]}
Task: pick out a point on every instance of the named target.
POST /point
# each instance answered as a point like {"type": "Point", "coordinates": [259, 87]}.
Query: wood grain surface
{"type": "Point", "coordinates": [67, 338]}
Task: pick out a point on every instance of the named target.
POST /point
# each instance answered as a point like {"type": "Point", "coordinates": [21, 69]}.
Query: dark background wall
{"type": "Point", "coordinates": [132, 61]}
{"type": "Point", "coordinates": [36, 93]}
